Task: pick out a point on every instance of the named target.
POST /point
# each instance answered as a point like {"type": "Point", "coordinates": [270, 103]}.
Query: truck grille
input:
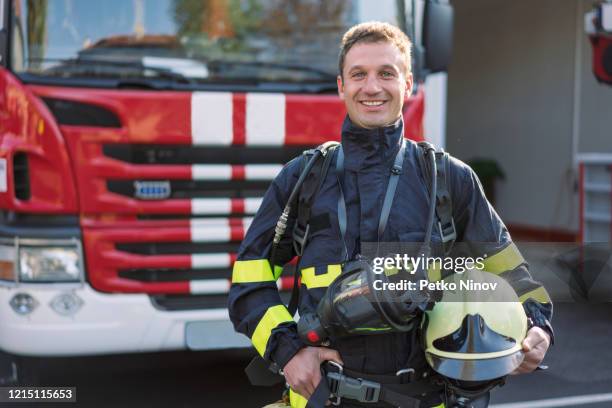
{"type": "Point", "coordinates": [168, 181]}
{"type": "Point", "coordinates": [195, 189]}
{"type": "Point", "coordinates": [179, 154]}
{"type": "Point", "coordinates": [180, 215]}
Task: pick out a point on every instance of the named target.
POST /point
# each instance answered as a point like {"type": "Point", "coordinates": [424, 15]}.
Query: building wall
{"type": "Point", "coordinates": [511, 99]}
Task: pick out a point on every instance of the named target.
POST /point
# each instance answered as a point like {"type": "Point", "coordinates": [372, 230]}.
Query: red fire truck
{"type": "Point", "coordinates": [136, 141]}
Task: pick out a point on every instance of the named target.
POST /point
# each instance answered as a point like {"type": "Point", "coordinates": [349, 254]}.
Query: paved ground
{"type": "Point", "coordinates": [580, 361]}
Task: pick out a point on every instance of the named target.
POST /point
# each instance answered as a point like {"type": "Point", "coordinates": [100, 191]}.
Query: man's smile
{"type": "Point", "coordinates": [373, 103]}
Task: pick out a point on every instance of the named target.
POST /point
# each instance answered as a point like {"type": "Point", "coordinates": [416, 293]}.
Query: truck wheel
{"type": "Point", "coordinates": [17, 370]}
{"type": "Point", "coordinates": [8, 369]}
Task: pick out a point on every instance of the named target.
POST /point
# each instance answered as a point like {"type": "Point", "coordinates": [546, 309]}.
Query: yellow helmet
{"type": "Point", "coordinates": [475, 332]}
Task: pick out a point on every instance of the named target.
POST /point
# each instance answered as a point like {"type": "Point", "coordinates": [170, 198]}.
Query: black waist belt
{"type": "Point", "coordinates": [370, 388]}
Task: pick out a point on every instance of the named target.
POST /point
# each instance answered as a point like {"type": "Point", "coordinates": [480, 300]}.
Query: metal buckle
{"type": "Point", "coordinates": [333, 385]}
{"type": "Point", "coordinates": [353, 388]}
{"type": "Point", "coordinates": [448, 232]}
{"type": "Point", "coordinates": [409, 371]}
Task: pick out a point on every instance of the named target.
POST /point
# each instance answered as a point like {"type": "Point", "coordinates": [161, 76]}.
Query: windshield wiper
{"type": "Point", "coordinates": [85, 65]}
{"type": "Point", "coordinates": [219, 65]}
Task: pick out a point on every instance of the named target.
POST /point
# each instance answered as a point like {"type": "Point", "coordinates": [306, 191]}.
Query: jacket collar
{"type": "Point", "coordinates": [365, 148]}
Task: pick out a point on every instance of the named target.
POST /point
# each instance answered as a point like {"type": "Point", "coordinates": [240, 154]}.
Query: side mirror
{"type": "Point", "coordinates": [437, 35]}
{"type": "Point", "coordinates": [598, 25]}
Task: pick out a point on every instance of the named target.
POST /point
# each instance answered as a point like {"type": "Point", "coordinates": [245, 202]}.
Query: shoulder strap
{"type": "Point", "coordinates": [304, 202]}
{"type": "Point", "coordinates": [396, 170]}
{"type": "Point", "coordinates": [444, 202]}
{"type": "Point", "coordinates": [308, 192]}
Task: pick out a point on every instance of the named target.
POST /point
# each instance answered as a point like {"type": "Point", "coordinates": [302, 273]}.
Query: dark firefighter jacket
{"type": "Point", "coordinates": [255, 306]}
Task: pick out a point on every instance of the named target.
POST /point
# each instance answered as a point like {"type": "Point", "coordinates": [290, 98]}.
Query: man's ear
{"type": "Point", "coordinates": [409, 84]}
{"type": "Point", "coordinates": [340, 83]}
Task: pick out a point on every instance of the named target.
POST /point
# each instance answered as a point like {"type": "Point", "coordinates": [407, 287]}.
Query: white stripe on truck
{"type": "Point", "coordinates": [265, 119]}
{"type": "Point", "coordinates": [212, 118]}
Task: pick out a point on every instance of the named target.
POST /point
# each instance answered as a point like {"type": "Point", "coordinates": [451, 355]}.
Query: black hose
{"type": "Point", "coordinates": [281, 224]}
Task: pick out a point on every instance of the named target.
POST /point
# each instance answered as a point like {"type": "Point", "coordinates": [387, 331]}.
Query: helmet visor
{"type": "Point", "coordinates": [476, 369]}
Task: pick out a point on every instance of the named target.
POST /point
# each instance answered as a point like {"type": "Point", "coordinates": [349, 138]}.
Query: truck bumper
{"type": "Point", "coordinates": [107, 323]}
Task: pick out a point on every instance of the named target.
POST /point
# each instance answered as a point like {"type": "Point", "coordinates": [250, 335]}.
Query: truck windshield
{"type": "Point", "coordinates": [187, 41]}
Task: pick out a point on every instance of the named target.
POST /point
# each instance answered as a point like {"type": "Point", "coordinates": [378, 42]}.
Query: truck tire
{"type": "Point", "coordinates": [17, 370]}
{"type": "Point", "coordinates": [8, 369]}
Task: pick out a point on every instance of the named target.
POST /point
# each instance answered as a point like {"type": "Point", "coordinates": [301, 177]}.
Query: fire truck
{"type": "Point", "coordinates": [137, 139]}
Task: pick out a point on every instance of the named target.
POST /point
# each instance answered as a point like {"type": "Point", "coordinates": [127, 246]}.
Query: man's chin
{"type": "Point", "coordinates": [373, 121]}
{"type": "Point", "coordinates": [377, 123]}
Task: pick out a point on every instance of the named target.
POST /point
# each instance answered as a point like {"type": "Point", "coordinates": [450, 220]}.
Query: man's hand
{"type": "Point", "coordinates": [535, 346]}
{"type": "Point", "coordinates": [303, 371]}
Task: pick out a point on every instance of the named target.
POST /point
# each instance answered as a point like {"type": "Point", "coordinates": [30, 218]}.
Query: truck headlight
{"type": "Point", "coordinates": [49, 264]}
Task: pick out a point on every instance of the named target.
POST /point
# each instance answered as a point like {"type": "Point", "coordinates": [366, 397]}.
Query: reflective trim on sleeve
{"type": "Point", "coordinates": [296, 400]}
{"type": "Point", "coordinates": [278, 270]}
{"type": "Point", "coordinates": [257, 270]}
{"type": "Point", "coordinates": [505, 260]}
{"type": "Point", "coordinates": [274, 316]}
{"type": "Point", "coordinates": [311, 280]}
{"type": "Point", "coordinates": [540, 295]}
{"type": "Point", "coordinates": [434, 274]}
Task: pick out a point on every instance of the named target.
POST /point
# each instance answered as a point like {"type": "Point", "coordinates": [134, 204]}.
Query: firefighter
{"type": "Point", "coordinates": [374, 81]}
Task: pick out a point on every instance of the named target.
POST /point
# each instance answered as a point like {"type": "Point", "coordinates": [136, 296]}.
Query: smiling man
{"type": "Point", "coordinates": [374, 82]}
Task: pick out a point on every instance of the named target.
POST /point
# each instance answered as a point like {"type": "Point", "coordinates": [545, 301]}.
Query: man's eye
{"type": "Point", "coordinates": [358, 75]}
{"type": "Point", "coordinates": [386, 74]}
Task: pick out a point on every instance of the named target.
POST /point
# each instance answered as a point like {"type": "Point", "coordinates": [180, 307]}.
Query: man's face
{"type": "Point", "coordinates": [375, 84]}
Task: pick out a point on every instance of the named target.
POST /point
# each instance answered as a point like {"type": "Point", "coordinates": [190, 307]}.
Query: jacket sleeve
{"type": "Point", "coordinates": [482, 229]}
{"type": "Point", "coordinates": [255, 306]}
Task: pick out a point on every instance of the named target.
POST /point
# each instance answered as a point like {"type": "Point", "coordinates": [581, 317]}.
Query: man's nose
{"type": "Point", "coordinates": [372, 86]}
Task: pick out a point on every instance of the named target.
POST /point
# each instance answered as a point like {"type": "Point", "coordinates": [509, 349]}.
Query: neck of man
{"type": "Point", "coordinates": [365, 148]}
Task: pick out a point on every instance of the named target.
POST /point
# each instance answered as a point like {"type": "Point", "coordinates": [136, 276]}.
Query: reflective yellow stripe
{"type": "Point", "coordinates": [273, 317]}
{"type": "Point", "coordinates": [434, 274]}
{"type": "Point", "coordinates": [257, 270]}
{"type": "Point", "coordinates": [505, 260]}
{"type": "Point", "coordinates": [538, 294]}
{"type": "Point", "coordinates": [311, 281]}
{"type": "Point", "coordinates": [391, 271]}
{"type": "Point", "coordinates": [278, 270]}
{"type": "Point", "coordinates": [296, 400]}
{"type": "Point", "coordinates": [440, 406]}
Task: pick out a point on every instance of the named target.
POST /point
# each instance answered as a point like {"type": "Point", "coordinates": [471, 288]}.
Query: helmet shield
{"type": "Point", "coordinates": [476, 369]}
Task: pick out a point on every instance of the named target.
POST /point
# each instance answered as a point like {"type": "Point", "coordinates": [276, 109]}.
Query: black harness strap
{"type": "Point", "coordinates": [444, 202]}
{"type": "Point", "coordinates": [368, 388]}
{"type": "Point", "coordinates": [396, 170]}
{"type": "Point", "coordinates": [304, 225]}
{"type": "Point", "coordinates": [341, 201]}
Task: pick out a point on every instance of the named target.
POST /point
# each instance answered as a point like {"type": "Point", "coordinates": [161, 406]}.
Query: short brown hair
{"type": "Point", "coordinates": [373, 32]}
